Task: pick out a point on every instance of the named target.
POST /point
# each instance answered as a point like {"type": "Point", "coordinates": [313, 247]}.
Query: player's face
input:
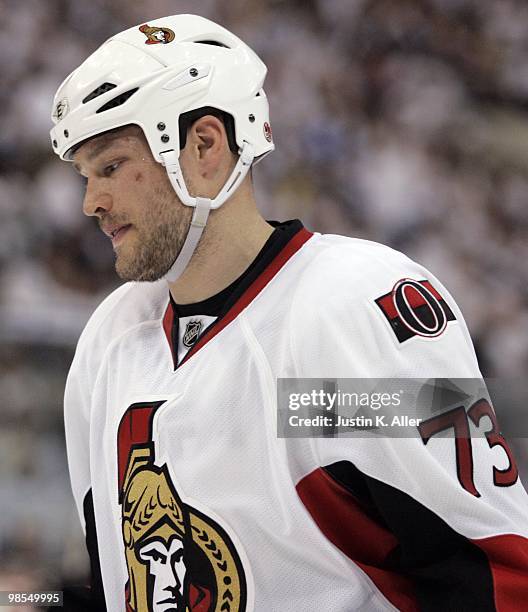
{"type": "Point", "coordinates": [167, 568]}
{"type": "Point", "coordinates": [136, 206]}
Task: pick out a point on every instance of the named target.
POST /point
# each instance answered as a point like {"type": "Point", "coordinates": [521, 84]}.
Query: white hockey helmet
{"type": "Point", "coordinates": [152, 74]}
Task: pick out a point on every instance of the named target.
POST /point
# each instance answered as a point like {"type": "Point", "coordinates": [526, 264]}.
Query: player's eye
{"type": "Point", "coordinates": [111, 168]}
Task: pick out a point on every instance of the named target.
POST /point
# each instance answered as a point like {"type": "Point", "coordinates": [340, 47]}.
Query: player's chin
{"type": "Point", "coordinates": [127, 271]}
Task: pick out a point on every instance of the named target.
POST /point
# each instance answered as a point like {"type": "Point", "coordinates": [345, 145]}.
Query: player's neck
{"type": "Point", "coordinates": [229, 244]}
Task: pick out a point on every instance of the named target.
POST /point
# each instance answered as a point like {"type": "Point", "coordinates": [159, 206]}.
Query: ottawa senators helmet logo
{"type": "Point", "coordinates": [156, 36]}
{"type": "Point", "coordinates": [178, 559]}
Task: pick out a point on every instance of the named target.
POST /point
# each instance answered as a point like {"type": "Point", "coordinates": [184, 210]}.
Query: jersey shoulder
{"type": "Point", "coordinates": [366, 303]}
{"type": "Point", "coordinates": [129, 305]}
{"type": "Point", "coordinates": [354, 268]}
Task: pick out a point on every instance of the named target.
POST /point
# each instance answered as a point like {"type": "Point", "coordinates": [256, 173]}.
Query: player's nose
{"type": "Point", "coordinates": [96, 202]}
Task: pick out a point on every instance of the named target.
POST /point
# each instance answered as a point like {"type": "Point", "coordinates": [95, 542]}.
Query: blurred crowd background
{"type": "Point", "coordinates": [404, 122]}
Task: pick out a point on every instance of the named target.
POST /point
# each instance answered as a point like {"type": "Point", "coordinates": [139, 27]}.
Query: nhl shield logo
{"type": "Point", "coordinates": [192, 331]}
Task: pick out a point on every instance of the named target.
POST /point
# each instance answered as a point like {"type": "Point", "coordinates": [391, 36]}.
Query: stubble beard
{"type": "Point", "coordinates": [159, 236]}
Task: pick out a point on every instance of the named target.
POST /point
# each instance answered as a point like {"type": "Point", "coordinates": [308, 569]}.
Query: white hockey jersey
{"type": "Point", "coordinates": [199, 505]}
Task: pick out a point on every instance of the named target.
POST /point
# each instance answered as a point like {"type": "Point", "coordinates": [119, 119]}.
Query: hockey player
{"type": "Point", "coordinates": [189, 499]}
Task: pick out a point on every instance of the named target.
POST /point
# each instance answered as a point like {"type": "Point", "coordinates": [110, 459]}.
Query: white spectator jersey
{"type": "Point", "coordinates": [198, 503]}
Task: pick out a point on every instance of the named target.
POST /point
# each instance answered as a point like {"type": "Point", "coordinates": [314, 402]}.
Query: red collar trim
{"type": "Point", "coordinates": [168, 321]}
{"type": "Point", "coordinates": [244, 300]}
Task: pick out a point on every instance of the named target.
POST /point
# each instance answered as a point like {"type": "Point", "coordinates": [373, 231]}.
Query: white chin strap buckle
{"type": "Point", "coordinates": [202, 206]}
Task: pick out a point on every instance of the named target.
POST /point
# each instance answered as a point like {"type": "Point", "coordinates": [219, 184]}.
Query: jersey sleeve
{"type": "Point", "coordinates": [95, 338]}
{"type": "Point", "coordinates": [77, 409]}
{"type": "Point", "coordinates": [437, 522]}
{"type": "Point", "coordinates": [77, 428]}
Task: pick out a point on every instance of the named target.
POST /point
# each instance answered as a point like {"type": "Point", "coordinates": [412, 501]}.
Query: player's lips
{"type": "Point", "coordinates": [116, 232]}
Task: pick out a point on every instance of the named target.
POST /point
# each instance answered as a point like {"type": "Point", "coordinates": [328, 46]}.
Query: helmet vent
{"type": "Point", "coordinates": [215, 43]}
{"type": "Point", "coordinates": [117, 101]}
{"type": "Point", "coordinates": [98, 91]}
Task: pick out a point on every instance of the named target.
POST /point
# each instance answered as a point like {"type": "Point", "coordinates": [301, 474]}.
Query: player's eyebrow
{"type": "Point", "coordinates": [103, 142]}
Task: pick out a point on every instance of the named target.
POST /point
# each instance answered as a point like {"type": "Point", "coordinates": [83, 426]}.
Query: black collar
{"type": "Point", "coordinates": [223, 305]}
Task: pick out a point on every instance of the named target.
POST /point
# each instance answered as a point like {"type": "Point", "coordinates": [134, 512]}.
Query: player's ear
{"type": "Point", "coordinates": [208, 138]}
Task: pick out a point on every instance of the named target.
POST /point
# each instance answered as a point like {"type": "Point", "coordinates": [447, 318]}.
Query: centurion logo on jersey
{"type": "Point", "coordinates": [415, 308]}
{"type": "Point", "coordinates": [178, 558]}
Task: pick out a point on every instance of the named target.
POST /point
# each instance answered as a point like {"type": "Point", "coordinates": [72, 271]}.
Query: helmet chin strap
{"type": "Point", "coordinates": [202, 206]}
